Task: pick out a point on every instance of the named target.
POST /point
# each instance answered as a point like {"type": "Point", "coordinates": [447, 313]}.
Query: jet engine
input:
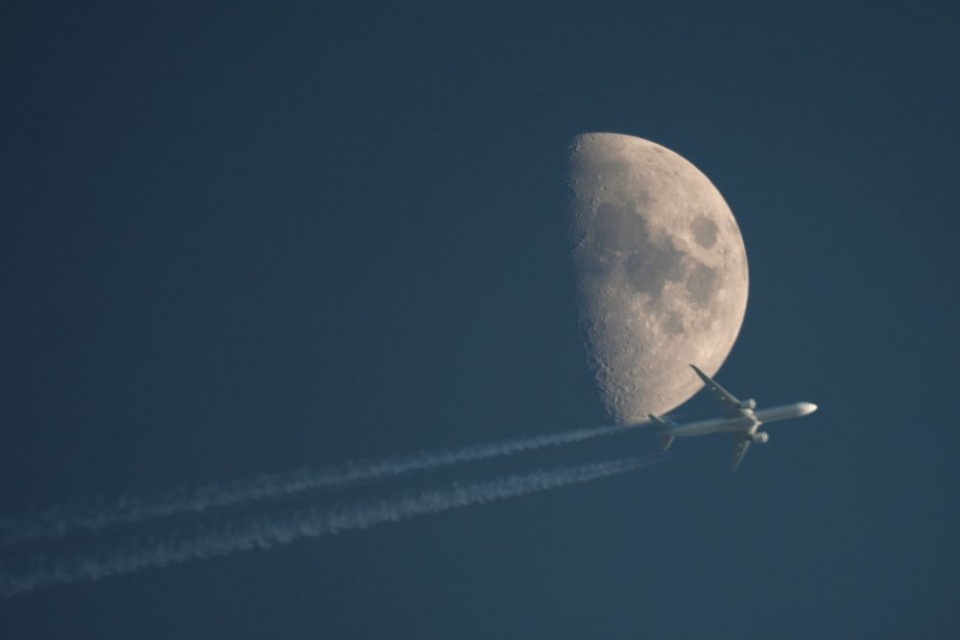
{"type": "Point", "coordinates": [760, 437]}
{"type": "Point", "coordinates": [748, 404]}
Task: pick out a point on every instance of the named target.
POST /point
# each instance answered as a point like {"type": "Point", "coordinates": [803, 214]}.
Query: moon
{"type": "Point", "coordinates": [661, 269]}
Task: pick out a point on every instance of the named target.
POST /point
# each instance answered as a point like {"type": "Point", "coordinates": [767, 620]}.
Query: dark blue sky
{"type": "Point", "coordinates": [250, 237]}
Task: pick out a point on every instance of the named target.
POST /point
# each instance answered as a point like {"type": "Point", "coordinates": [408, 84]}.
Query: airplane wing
{"type": "Point", "coordinates": [743, 443]}
{"type": "Point", "coordinates": [729, 401]}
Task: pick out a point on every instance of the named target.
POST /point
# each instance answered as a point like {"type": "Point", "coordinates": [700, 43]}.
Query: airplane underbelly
{"type": "Point", "coordinates": [705, 427]}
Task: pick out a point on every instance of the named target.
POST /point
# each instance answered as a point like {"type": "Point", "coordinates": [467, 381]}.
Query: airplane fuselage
{"type": "Point", "coordinates": [748, 420]}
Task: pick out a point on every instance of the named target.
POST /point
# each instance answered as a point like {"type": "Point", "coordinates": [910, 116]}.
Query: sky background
{"type": "Point", "coordinates": [242, 238]}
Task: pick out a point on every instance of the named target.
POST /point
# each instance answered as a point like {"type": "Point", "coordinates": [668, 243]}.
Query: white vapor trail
{"type": "Point", "coordinates": [77, 517]}
{"type": "Point", "coordinates": [266, 533]}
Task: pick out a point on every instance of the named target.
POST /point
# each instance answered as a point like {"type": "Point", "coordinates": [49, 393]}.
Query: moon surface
{"type": "Point", "coordinates": [661, 272]}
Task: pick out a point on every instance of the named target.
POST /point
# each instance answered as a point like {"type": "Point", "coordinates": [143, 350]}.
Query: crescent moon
{"type": "Point", "coordinates": [661, 267]}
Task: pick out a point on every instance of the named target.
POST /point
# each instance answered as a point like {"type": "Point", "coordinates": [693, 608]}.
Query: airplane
{"type": "Point", "coordinates": [740, 417]}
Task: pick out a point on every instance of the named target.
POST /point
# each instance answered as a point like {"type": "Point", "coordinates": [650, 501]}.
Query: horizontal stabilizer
{"type": "Point", "coordinates": [665, 441]}
{"type": "Point", "coordinates": [665, 427]}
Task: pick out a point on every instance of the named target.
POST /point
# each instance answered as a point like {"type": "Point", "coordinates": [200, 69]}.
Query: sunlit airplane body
{"type": "Point", "coordinates": [741, 418]}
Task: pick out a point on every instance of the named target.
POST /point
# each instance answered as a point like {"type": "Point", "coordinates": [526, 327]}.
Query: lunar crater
{"type": "Point", "coordinates": [648, 270]}
{"type": "Point", "coordinates": [673, 323]}
{"type": "Point", "coordinates": [701, 283]}
{"type": "Point", "coordinates": [619, 228]}
{"type": "Point", "coordinates": [705, 231]}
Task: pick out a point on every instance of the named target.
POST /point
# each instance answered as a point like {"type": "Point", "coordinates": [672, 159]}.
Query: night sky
{"type": "Point", "coordinates": [245, 238]}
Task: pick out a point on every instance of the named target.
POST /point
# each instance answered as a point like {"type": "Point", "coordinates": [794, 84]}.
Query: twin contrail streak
{"type": "Point", "coordinates": [73, 518]}
{"type": "Point", "coordinates": [266, 532]}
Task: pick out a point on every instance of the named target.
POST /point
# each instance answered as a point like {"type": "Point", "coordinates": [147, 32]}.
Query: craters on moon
{"type": "Point", "coordinates": [624, 240]}
{"type": "Point", "coordinates": [662, 272]}
{"type": "Point", "coordinates": [704, 231]}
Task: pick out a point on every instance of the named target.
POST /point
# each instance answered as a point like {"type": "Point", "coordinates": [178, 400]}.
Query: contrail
{"type": "Point", "coordinates": [266, 533]}
{"type": "Point", "coordinates": [77, 517]}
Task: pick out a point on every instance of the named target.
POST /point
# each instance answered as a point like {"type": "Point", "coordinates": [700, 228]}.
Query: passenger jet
{"type": "Point", "coordinates": [740, 418]}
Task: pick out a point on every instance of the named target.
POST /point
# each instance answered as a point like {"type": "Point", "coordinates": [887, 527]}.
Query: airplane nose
{"type": "Point", "coordinates": [809, 407]}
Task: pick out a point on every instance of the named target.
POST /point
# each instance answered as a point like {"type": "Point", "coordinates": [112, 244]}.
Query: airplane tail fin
{"type": "Point", "coordinates": [665, 427]}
